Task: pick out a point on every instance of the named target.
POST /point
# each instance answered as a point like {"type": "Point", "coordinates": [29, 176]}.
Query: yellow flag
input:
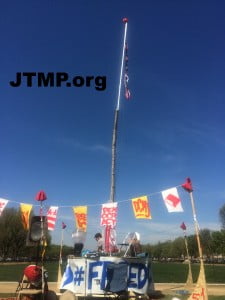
{"type": "Point", "coordinates": [80, 214]}
{"type": "Point", "coordinates": [141, 208]}
{"type": "Point", "coordinates": [25, 214]}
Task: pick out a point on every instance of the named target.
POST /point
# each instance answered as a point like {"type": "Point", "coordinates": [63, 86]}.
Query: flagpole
{"type": "Point", "coordinates": [190, 277]}
{"type": "Point", "coordinates": [196, 225]}
{"type": "Point", "coordinates": [60, 260]}
{"type": "Point", "coordinates": [116, 117]}
{"type": "Point", "coordinates": [201, 287]}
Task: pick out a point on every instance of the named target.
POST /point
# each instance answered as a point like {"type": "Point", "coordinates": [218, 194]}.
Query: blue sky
{"type": "Point", "coordinates": [59, 139]}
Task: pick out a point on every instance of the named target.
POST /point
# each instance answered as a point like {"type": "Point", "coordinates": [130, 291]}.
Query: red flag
{"type": "Point", "coordinates": [41, 196]}
{"type": "Point", "coordinates": [187, 185]}
{"type": "Point", "coordinates": [63, 225]}
{"type": "Point", "coordinates": [183, 226]}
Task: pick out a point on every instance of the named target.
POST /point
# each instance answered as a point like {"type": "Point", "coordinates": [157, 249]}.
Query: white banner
{"type": "Point", "coordinates": [3, 203]}
{"type": "Point", "coordinates": [89, 276]}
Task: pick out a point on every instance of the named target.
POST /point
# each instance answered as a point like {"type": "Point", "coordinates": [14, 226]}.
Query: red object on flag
{"type": "Point", "coordinates": [63, 225]}
{"type": "Point", "coordinates": [125, 20]}
{"type": "Point", "coordinates": [183, 226]}
{"type": "Point", "coordinates": [41, 196]}
{"type": "Point", "coordinates": [187, 185]}
{"type": "Point", "coordinates": [51, 217]}
{"type": "Point", "coordinates": [173, 200]}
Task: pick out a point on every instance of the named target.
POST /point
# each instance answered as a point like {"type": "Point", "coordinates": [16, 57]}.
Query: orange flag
{"type": "Point", "coordinates": [80, 214]}
{"type": "Point", "coordinates": [25, 214]}
{"type": "Point", "coordinates": [141, 208]}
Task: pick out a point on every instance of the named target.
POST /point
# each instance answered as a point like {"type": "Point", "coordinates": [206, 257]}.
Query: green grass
{"type": "Point", "coordinates": [177, 272]}
{"type": "Point", "coordinates": [162, 272]}
{"type": "Point", "coordinates": [14, 272]}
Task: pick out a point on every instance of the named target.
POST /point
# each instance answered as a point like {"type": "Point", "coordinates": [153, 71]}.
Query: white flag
{"type": "Point", "coordinates": [172, 200]}
{"type": "Point", "coordinates": [3, 203]}
{"type": "Point", "coordinates": [51, 217]}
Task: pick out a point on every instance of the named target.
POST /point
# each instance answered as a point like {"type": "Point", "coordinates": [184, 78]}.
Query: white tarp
{"type": "Point", "coordinates": [89, 276]}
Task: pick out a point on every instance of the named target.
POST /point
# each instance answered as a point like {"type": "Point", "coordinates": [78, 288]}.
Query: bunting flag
{"type": "Point", "coordinates": [183, 226]}
{"type": "Point", "coordinates": [108, 219]}
{"type": "Point", "coordinates": [187, 185]}
{"type": "Point", "coordinates": [25, 214]}
{"type": "Point", "coordinates": [172, 200]}
{"type": "Point", "coordinates": [41, 196]}
{"type": "Point", "coordinates": [141, 208]}
{"type": "Point", "coordinates": [51, 217]}
{"type": "Point", "coordinates": [126, 76]}
{"type": "Point", "coordinates": [80, 214]}
{"type": "Point", "coordinates": [3, 203]}
{"type": "Point", "coordinates": [109, 214]}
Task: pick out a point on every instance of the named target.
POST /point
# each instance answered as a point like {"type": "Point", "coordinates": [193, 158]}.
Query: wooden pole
{"type": "Point", "coordinates": [190, 277]}
{"type": "Point", "coordinates": [200, 290]}
{"type": "Point", "coordinates": [196, 226]}
{"type": "Point", "coordinates": [60, 261]}
{"type": "Point", "coordinates": [115, 125]}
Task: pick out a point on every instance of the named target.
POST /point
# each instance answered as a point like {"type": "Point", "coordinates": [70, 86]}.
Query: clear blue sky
{"type": "Point", "coordinates": [59, 139]}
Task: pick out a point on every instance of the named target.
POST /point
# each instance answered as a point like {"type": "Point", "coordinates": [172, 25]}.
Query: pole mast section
{"type": "Point", "coordinates": [116, 116]}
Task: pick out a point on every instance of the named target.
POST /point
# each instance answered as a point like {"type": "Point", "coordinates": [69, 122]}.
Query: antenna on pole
{"type": "Point", "coordinates": [116, 116]}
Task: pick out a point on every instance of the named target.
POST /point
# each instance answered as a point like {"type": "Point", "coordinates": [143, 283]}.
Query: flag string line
{"type": "Point", "coordinates": [91, 205]}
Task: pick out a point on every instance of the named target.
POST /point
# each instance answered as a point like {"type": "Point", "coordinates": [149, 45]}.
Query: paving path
{"type": "Point", "coordinates": [165, 288]}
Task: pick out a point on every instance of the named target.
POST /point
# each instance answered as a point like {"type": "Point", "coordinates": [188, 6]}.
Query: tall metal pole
{"type": "Point", "coordinates": [116, 117]}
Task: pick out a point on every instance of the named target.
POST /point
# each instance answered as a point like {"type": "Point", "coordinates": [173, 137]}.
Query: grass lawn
{"type": "Point", "coordinates": [162, 272]}
{"type": "Point", "coordinates": [177, 272]}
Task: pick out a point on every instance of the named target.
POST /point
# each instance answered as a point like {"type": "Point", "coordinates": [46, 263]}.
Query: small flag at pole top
{"type": "Point", "coordinates": [41, 196]}
{"type": "Point", "coordinates": [126, 76]}
{"type": "Point", "coordinates": [183, 226]}
{"type": "Point", "coordinates": [63, 225]}
{"type": "Point", "coordinates": [187, 185]}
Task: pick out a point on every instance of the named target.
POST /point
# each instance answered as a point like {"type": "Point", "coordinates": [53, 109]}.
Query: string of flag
{"type": "Point", "coordinates": [126, 76]}
{"type": "Point", "coordinates": [140, 206]}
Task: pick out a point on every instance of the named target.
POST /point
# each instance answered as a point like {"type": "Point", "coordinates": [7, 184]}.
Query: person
{"type": "Point", "coordinates": [100, 242]}
{"type": "Point", "coordinates": [135, 247]}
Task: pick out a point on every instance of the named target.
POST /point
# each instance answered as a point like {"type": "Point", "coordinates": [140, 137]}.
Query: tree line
{"type": "Point", "coordinates": [212, 242]}
{"type": "Point", "coordinates": [13, 239]}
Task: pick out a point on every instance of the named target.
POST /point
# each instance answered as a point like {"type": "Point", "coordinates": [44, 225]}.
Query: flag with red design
{"type": "Point", "coordinates": [141, 208]}
{"type": "Point", "coordinates": [80, 214]}
{"type": "Point", "coordinates": [109, 214]}
{"type": "Point", "coordinates": [51, 217]}
{"type": "Point", "coordinates": [3, 203]}
{"type": "Point", "coordinates": [172, 200]}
